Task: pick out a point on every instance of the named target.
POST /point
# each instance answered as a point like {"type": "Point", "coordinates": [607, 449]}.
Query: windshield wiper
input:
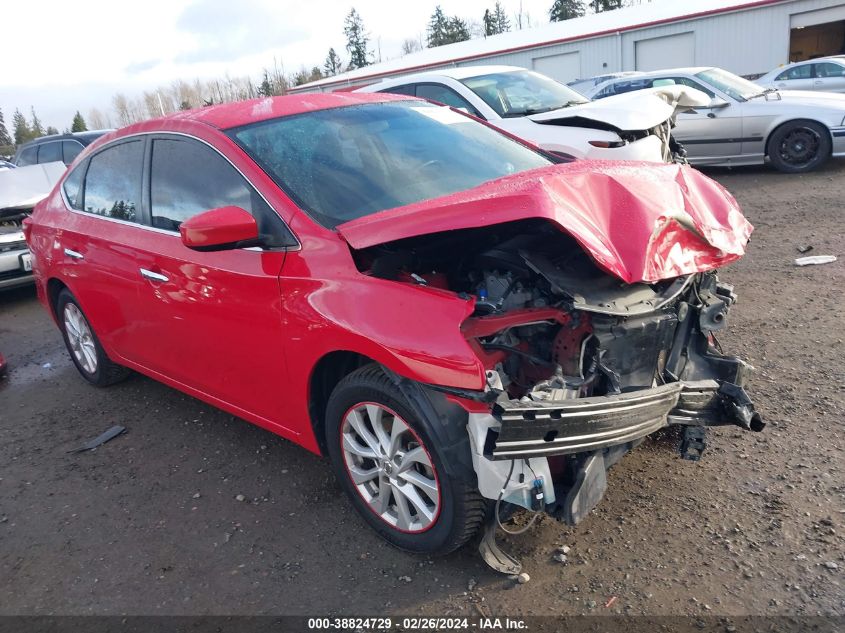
{"type": "Point", "coordinates": [767, 91]}
{"type": "Point", "coordinates": [568, 104]}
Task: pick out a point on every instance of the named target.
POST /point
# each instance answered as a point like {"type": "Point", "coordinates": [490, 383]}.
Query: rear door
{"type": "Point", "coordinates": [100, 239]}
{"type": "Point", "coordinates": [211, 320]}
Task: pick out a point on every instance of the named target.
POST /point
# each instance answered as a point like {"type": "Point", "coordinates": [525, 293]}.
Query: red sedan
{"type": "Point", "coordinates": [455, 318]}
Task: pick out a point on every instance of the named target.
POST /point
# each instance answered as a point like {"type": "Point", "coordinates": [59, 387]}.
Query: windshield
{"type": "Point", "coordinates": [346, 163]}
{"type": "Point", "coordinates": [732, 85]}
{"type": "Point", "coordinates": [520, 93]}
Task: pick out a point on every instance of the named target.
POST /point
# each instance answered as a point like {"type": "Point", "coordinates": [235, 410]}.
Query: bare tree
{"type": "Point", "coordinates": [410, 45]}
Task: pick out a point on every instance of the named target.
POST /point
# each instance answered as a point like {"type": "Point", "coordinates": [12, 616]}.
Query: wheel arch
{"type": "Point", "coordinates": [54, 288]}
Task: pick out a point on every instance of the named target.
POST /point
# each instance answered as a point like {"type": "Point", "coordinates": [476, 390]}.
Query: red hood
{"type": "Point", "coordinates": [639, 221]}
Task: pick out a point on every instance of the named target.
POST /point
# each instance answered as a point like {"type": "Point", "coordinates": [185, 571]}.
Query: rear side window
{"type": "Point", "coordinates": [187, 178]}
{"type": "Point", "coordinates": [28, 156]}
{"type": "Point", "coordinates": [113, 182]}
{"type": "Point", "coordinates": [50, 152]}
{"type": "Point", "coordinates": [70, 150]}
{"type": "Point", "coordinates": [828, 69]}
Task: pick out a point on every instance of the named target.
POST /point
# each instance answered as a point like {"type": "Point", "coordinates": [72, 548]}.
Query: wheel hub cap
{"type": "Point", "coordinates": [390, 467]}
{"type": "Point", "coordinates": [81, 338]}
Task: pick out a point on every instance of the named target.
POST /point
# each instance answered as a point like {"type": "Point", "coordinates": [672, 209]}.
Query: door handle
{"type": "Point", "coordinates": [148, 274]}
{"type": "Point", "coordinates": [73, 254]}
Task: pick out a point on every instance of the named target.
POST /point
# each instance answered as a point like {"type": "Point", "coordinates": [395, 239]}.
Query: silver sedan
{"type": "Point", "coordinates": [745, 124]}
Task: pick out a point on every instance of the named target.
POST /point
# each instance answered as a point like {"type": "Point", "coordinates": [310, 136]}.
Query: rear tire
{"type": "Point", "coordinates": [401, 488]}
{"type": "Point", "coordinates": [84, 346]}
{"type": "Point", "coordinates": [799, 146]}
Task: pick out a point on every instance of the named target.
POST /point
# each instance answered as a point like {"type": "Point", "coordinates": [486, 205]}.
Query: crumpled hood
{"type": "Point", "coordinates": [639, 221]}
{"type": "Point", "coordinates": [631, 111]}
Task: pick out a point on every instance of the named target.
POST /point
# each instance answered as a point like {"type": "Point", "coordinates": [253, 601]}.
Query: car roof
{"type": "Point", "coordinates": [238, 113]}
{"type": "Point", "coordinates": [85, 138]}
{"type": "Point", "coordinates": [690, 70]}
{"type": "Point", "coordinates": [455, 72]}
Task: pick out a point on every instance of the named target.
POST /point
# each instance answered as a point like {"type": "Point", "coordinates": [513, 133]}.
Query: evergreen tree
{"type": "Point", "coordinates": [437, 26]}
{"type": "Point", "coordinates": [5, 139]}
{"type": "Point", "coordinates": [333, 64]}
{"type": "Point", "coordinates": [443, 30]}
{"type": "Point", "coordinates": [52, 130]}
{"type": "Point", "coordinates": [36, 128]}
{"type": "Point", "coordinates": [21, 128]}
{"type": "Point", "coordinates": [78, 124]}
{"type": "Point", "coordinates": [600, 6]}
{"type": "Point", "coordinates": [356, 40]}
{"type": "Point", "coordinates": [500, 19]}
{"type": "Point", "coordinates": [566, 10]}
{"type": "Point", "coordinates": [456, 30]}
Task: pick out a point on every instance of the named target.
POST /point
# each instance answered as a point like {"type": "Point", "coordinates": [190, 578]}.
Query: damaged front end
{"type": "Point", "coordinates": [580, 366]}
{"type": "Point", "coordinates": [596, 311]}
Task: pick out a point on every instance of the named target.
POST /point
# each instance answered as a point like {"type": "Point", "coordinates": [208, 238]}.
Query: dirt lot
{"type": "Point", "coordinates": [150, 523]}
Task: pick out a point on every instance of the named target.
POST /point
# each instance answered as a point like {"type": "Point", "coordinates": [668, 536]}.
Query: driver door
{"type": "Point", "coordinates": [211, 320]}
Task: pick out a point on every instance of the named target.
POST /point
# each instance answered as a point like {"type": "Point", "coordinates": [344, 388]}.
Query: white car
{"type": "Point", "coordinates": [825, 73]}
{"type": "Point", "coordinates": [553, 116]}
{"type": "Point", "coordinates": [745, 124]}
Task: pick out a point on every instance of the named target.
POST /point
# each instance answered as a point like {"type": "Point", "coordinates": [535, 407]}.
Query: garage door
{"type": "Point", "coordinates": [565, 67]}
{"type": "Point", "coordinates": [817, 33]}
{"type": "Point", "coordinates": [671, 51]}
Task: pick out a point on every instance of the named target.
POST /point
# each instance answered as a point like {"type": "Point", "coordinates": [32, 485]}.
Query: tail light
{"type": "Point", "coordinates": [27, 228]}
{"type": "Point", "coordinates": [608, 144]}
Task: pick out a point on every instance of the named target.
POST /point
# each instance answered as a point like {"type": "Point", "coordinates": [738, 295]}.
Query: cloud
{"type": "Point", "coordinates": [223, 30]}
{"type": "Point", "coordinates": [138, 67]}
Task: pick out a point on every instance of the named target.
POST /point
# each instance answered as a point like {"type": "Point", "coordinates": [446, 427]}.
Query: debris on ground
{"type": "Point", "coordinates": [815, 259]}
{"type": "Point", "coordinates": [805, 248]}
{"type": "Point", "coordinates": [240, 498]}
{"type": "Point", "coordinates": [112, 433]}
{"type": "Point", "coordinates": [560, 557]}
{"type": "Point", "coordinates": [523, 578]}
{"type": "Point", "coordinates": [610, 602]}
{"type": "Point", "coordinates": [405, 578]}
{"type": "Point", "coordinates": [472, 584]}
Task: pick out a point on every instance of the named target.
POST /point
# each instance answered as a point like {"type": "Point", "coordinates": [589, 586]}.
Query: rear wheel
{"type": "Point", "coordinates": [84, 347]}
{"type": "Point", "coordinates": [393, 471]}
{"type": "Point", "coordinates": [799, 146]}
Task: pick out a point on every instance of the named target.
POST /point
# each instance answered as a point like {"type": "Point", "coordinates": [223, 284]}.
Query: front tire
{"type": "Point", "coordinates": [799, 146]}
{"type": "Point", "coordinates": [84, 346]}
{"type": "Point", "coordinates": [393, 471]}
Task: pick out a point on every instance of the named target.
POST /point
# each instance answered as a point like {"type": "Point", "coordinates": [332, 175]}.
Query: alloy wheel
{"type": "Point", "coordinates": [390, 467]}
{"type": "Point", "coordinates": [81, 338]}
{"type": "Point", "coordinates": [800, 146]}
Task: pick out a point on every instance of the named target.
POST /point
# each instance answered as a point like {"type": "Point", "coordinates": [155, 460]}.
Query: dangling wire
{"type": "Point", "coordinates": [499, 503]}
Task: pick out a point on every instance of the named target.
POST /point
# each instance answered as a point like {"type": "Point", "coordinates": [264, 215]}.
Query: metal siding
{"type": "Point", "coordinates": [746, 42]}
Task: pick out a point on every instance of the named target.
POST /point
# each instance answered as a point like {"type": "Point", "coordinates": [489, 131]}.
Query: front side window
{"type": "Point", "coordinates": [50, 152]}
{"type": "Point", "coordinates": [520, 93]}
{"type": "Point", "coordinates": [344, 163]}
{"type": "Point", "coordinates": [805, 71]}
{"type": "Point", "coordinates": [113, 181]}
{"type": "Point", "coordinates": [188, 177]}
{"type": "Point", "coordinates": [445, 95]}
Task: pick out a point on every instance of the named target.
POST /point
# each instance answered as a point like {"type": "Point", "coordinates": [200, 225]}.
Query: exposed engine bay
{"type": "Point", "coordinates": [580, 365]}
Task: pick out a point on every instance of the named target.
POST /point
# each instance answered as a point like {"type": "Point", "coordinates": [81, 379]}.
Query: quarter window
{"type": "Point", "coordinates": [113, 182]}
{"type": "Point", "coordinates": [829, 69]}
{"type": "Point", "coordinates": [29, 156]}
{"type": "Point", "coordinates": [73, 187]}
{"type": "Point", "coordinates": [70, 150]}
{"type": "Point", "coordinates": [50, 152]}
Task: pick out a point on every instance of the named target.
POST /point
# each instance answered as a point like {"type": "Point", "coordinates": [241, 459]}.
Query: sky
{"type": "Point", "coordinates": [83, 52]}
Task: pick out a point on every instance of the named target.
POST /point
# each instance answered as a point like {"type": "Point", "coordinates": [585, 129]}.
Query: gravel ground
{"type": "Point", "coordinates": [151, 523]}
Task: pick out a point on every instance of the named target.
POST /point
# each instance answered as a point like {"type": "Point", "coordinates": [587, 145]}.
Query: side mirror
{"type": "Point", "coordinates": [220, 229]}
{"type": "Point", "coordinates": [718, 102]}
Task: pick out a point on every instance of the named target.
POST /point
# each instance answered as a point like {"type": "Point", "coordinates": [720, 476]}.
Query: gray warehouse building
{"type": "Point", "coordinates": [747, 38]}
